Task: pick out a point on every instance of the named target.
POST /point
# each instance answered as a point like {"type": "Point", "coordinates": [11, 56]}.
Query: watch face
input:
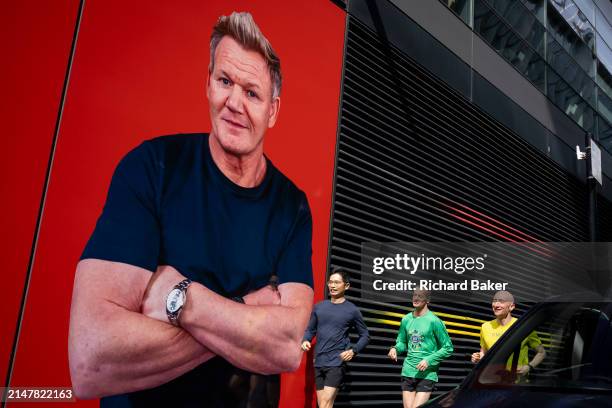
{"type": "Point", "coordinates": [175, 300]}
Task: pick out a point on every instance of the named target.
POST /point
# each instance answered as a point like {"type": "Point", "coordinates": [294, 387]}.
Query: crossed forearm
{"type": "Point", "coordinates": [125, 351]}
{"type": "Point", "coordinates": [113, 348]}
{"type": "Point", "coordinates": [259, 338]}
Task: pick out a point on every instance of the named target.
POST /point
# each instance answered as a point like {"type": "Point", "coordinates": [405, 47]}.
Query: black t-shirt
{"type": "Point", "coordinates": [169, 204]}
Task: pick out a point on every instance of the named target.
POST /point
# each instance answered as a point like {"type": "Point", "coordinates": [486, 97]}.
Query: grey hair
{"type": "Point", "coordinates": [242, 28]}
{"type": "Point", "coordinates": [505, 295]}
{"type": "Point", "coordinates": [426, 293]}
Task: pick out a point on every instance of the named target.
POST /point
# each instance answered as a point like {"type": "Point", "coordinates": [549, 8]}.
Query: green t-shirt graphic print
{"type": "Point", "coordinates": [423, 338]}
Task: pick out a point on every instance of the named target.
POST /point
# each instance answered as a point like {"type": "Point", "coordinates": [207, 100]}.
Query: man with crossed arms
{"type": "Point", "coordinates": [171, 293]}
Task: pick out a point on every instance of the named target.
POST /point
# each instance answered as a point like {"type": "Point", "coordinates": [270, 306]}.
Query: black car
{"type": "Point", "coordinates": [576, 372]}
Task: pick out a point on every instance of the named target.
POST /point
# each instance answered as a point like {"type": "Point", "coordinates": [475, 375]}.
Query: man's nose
{"type": "Point", "coordinates": [234, 100]}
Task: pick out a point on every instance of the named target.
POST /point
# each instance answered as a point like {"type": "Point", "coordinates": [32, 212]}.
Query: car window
{"type": "Point", "coordinates": [577, 339]}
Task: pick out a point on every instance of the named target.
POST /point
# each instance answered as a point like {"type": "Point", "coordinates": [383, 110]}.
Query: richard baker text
{"type": "Point", "coordinates": [428, 284]}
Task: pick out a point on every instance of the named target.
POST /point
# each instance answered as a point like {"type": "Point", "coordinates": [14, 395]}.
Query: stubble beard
{"type": "Point", "coordinates": [232, 145]}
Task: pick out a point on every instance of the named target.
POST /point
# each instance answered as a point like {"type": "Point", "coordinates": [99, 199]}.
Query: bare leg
{"type": "Point", "coordinates": [320, 398]}
{"type": "Point", "coordinates": [326, 397]}
{"type": "Point", "coordinates": [421, 398]}
{"type": "Point", "coordinates": [408, 398]}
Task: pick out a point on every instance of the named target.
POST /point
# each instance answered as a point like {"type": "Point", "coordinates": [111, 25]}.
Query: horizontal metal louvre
{"type": "Point", "coordinates": [418, 162]}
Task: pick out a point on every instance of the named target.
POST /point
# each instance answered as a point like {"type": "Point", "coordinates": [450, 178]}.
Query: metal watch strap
{"type": "Point", "coordinates": [182, 286]}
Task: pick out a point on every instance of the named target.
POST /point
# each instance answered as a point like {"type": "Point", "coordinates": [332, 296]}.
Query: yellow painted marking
{"type": "Point", "coordinates": [452, 316]}
{"type": "Point", "coordinates": [396, 323]}
{"type": "Point", "coordinates": [546, 338]}
{"type": "Point", "coordinates": [463, 332]}
{"type": "Point", "coordinates": [467, 326]}
{"type": "Point", "coordinates": [383, 321]}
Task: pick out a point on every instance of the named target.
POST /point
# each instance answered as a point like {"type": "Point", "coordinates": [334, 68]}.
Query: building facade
{"type": "Point", "coordinates": [460, 121]}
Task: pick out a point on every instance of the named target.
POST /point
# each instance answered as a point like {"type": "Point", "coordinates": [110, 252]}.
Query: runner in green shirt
{"type": "Point", "coordinates": [424, 338]}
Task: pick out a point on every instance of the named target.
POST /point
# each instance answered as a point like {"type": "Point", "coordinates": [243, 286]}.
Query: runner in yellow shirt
{"type": "Point", "coordinates": [490, 332]}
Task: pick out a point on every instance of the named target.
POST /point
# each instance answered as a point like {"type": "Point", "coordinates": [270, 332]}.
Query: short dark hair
{"type": "Point", "coordinates": [340, 271]}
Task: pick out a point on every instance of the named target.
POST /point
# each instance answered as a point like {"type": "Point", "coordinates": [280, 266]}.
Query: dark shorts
{"type": "Point", "coordinates": [417, 384]}
{"type": "Point", "coordinates": [329, 377]}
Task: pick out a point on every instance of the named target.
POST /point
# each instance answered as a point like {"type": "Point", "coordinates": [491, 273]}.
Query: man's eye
{"type": "Point", "coordinates": [252, 94]}
{"type": "Point", "coordinates": [225, 81]}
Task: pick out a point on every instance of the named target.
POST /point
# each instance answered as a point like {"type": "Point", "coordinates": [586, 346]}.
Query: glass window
{"type": "Point", "coordinates": [604, 133]}
{"type": "Point", "coordinates": [575, 19]}
{"type": "Point", "coordinates": [566, 67]}
{"type": "Point", "coordinates": [604, 106]}
{"type": "Point", "coordinates": [536, 7]}
{"type": "Point", "coordinates": [604, 53]}
{"type": "Point", "coordinates": [522, 21]}
{"type": "Point", "coordinates": [604, 79]}
{"type": "Point", "coordinates": [570, 41]}
{"type": "Point", "coordinates": [604, 27]}
{"type": "Point", "coordinates": [587, 7]}
{"type": "Point", "coordinates": [461, 8]}
{"type": "Point", "coordinates": [569, 101]}
{"type": "Point", "coordinates": [508, 44]}
{"type": "Point", "coordinates": [577, 340]}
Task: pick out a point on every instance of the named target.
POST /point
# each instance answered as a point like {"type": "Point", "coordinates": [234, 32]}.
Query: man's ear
{"type": "Point", "coordinates": [274, 111]}
{"type": "Point", "coordinates": [208, 85]}
{"type": "Point", "coordinates": [512, 306]}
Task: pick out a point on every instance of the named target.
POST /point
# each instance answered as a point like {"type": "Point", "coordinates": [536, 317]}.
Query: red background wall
{"type": "Point", "coordinates": [35, 40]}
{"type": "Point", "coordinates": [140, 71]}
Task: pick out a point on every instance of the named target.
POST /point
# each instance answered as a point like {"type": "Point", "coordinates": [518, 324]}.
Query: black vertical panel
{"type": "Point", "coordinates": [604, 216]}
{"type": "Point", "coordinates": [418, 162]}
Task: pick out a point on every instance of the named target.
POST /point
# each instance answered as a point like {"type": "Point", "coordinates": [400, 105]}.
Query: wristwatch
{"type": "Point", "coordinates": [176, 300]}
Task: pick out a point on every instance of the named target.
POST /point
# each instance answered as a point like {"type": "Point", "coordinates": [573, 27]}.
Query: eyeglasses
{"type": "Point", "coordinates": [335, 282]}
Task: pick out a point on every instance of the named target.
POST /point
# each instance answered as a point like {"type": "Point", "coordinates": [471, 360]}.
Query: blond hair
{"type": "Point", "coordinates": [242, 28]}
